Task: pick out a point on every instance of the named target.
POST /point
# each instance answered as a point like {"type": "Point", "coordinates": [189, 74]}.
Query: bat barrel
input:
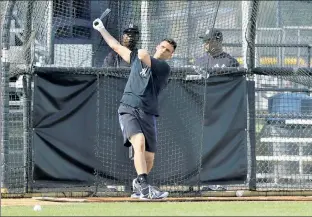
{"type": "Point", "coordinates": [105, 13]}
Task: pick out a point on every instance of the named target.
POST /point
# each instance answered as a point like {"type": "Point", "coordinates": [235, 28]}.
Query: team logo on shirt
{"type": "Point", "coordinates": [217, 66]}
{"type": "Point", "coordinates": [143, 73]}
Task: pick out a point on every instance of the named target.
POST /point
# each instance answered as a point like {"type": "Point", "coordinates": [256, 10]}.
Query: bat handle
{"type": "Point", "coordinates": [96, 23]}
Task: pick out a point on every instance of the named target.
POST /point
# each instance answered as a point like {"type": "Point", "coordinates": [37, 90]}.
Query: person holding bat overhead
{"type": "Point", "coordinates": [139, 105]}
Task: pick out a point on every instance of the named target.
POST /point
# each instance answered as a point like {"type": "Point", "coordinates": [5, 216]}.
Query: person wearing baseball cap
{"type": "Point", "coordinates": [215, 56]}
{"type": "Point", "coordinates": [130, 38]}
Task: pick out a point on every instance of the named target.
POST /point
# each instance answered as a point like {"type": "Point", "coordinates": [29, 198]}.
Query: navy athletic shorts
{"type": "Point", "coordinates": [133, 121]}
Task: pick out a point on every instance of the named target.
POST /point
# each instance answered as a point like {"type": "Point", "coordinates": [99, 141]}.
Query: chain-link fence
{"type": "Point", "coordinates": [270, 40]}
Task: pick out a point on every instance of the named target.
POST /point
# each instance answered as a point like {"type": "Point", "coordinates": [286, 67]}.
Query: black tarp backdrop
{"type": "Point", "coordinates": [73, 136]}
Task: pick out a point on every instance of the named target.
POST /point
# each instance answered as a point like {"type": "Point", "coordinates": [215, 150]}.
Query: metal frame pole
{"type": "Point", "coordinates": [250, 63]}
{"type": "Point", "coordinates": [27, 101]}
{"type": "Point", "coordinates": [309, 56]}
{"type": "Point", "coordinates": [4, 93]}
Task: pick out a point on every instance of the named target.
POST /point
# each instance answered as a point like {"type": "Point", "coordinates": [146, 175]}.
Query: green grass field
{"type": "Point", "coordinates": [244, 208]}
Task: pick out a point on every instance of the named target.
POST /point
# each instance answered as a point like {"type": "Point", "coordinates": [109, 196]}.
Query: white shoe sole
{"type": "Point", "coordinates": [163, 196]}
{"type": "Point", "coordinates": [135, 196]}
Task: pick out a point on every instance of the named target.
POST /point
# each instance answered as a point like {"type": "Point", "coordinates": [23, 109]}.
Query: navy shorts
{"type": "Point", "coordinates": [133, 121]}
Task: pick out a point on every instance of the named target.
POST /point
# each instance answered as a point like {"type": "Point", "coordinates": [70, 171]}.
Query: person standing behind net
{"type": "Point", "coordinates": [130, 38]}
{"type": "Point", "coordinates": [215, 57]}
{"type": "Point", "coordinates": [139, 105]}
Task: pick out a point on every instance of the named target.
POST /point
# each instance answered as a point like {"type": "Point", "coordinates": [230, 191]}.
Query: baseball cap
{"type": "Point", "coordinates": [212, 34]}
{"type": "Point", "coordinates": [132, 29]}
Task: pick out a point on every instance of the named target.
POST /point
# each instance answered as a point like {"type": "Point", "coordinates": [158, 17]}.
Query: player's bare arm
{"type": "Point", "coordinates": [123, 51]}
{"type": "Point", "coordinates": [144, 56]}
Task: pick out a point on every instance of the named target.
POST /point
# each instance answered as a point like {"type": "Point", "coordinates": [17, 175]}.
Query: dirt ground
{"type": "Point", "coordinates": [204, 199]}
{"type": "Point", "coordinates": [32, 202]}
{"type": "Point", "coordinates": [66, 201]}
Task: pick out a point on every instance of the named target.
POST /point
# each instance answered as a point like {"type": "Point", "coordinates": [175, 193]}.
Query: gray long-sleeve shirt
{"type": "Point", "coordinates": [114, 60]}
{"type": "Point", "coordinates": [222, 60]}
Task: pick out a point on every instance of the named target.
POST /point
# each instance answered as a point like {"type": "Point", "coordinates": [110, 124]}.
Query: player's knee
{"type": "Point", "coordinates": [138, 142]}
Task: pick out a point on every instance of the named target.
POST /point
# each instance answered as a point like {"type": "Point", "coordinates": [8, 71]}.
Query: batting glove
{"type": "Point", "coordinates": [98, 24]}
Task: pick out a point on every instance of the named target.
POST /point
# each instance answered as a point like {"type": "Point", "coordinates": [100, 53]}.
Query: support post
{"type": "Point", "coordinates": [145, 31]}
{"type": "Point", "coordinates": [27, 99]}
{"type": "Point", "coordinates": [250, 12]}
{"type": "Point", "coordinates": [309, 56]}
{"type": "Point", "coordinates": [245, 17]}
{"type": "Point", "coordinates": [50, 33]}
{"type": "Point", "coordinates": [4, 95]}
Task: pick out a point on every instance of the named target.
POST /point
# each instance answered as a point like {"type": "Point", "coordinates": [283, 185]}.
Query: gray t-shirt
{"type": "Point", "coordinates": [222, 60]}
{"type": "Point", "coordinates": [145, 83]}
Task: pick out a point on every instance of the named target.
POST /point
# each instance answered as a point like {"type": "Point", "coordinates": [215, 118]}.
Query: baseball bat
{"type": "Point", "coordinates": [104, 14]}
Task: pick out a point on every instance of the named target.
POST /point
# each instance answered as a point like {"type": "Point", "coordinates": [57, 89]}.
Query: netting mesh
{"type": "Point", "coordinates": [157, 21]}
{"type": "Point", "coordinates": [283, 95]}
{"type": "Point", "coordinates": [59, 33]}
